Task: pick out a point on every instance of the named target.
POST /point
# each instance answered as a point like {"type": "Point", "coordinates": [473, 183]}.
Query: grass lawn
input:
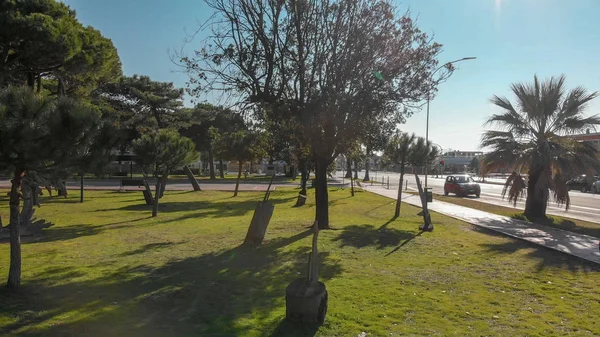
{"type": "Point", "coordinates": [107, 269]}
{"type": "Point", "coordinates": [573, 225]}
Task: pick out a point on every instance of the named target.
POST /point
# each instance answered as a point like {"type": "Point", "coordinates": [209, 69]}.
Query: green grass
{"type": "Point", "coordinates": [107, 269]}
{"type": "Point", "coordinates": [569, 224]}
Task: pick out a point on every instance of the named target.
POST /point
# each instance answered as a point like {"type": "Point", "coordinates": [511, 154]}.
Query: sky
{"type": "Point", "coordinates": [512, 40]}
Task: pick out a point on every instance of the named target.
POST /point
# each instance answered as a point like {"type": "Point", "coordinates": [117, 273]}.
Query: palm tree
{"type": "Point", "coordinates": [397, 152]}
{"type": "Point", "coordinates": [404, 149]}
{"type": "Point", "coordinates": [533, 136]}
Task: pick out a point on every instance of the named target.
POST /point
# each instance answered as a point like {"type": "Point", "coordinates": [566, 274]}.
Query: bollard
{"type": "Point", "coordinates": [382, 181]}
{"type": "Point", "coordinates": [406, 185]}
{"type": "Point", "coordinates": [388, 182]}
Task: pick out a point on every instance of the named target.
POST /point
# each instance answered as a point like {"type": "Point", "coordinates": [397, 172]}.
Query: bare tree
{"type": "Point", "coordinates": [333, 66]}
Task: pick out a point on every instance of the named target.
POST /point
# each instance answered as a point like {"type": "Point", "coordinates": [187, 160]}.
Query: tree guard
{"type": "Point", "coordinates": [260, 219]}
{"type": "Point", "coordinates": [306, 298]}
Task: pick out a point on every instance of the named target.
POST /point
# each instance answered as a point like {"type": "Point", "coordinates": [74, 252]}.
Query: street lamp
{"type": "Point", "coordinates": [428, 99]}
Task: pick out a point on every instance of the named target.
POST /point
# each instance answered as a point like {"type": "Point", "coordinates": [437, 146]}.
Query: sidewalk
{"type": "Point", "coordinates": [582, 246]}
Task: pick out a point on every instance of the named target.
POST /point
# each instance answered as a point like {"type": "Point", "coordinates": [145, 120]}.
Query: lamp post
{"type": "Point", "coordinates": [429, 98]}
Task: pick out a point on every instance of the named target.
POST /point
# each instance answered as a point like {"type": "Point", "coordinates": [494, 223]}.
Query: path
{"type": "Point", "coordinates": [582, 246]}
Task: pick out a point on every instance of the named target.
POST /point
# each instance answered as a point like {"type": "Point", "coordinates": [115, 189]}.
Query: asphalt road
{"type": "Point", "coordinates": [584, 206]}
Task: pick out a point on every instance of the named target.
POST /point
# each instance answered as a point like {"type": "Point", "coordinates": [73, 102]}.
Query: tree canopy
{"type": "Point", "coordinates": [138, 105]}
{"type": "Point", "coordinates": [313, 63]}
{"type": "Point", "coordinates": [38, 134]}
{"type": "Point", "coordinates": [42, 39]}
{"type": "Point", "coordinates": [165, 150]}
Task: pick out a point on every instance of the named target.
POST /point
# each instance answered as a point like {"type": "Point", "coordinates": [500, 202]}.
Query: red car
{"type": "Point", "coordinates": [461, 185]}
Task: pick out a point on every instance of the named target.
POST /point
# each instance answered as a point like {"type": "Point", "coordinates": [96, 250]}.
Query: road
{"type": "Point", "coordinates": [584, 206]}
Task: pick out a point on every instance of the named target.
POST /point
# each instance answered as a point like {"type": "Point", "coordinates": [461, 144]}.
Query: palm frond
{"type": "Point", "coordinates": [515, 187]}
{"type": "Point", "coordinates": [528, 99]}
{"type": "Point", "coordinates": [572, 107]}
{"type": "Point", "coordinates": [510, 119]}
{"type": "Point", "coordinates": [553, 91]}
{"type": "Point", "coordinates": [503, 103]}
{"type": "Point", "coordinates": [573, 157]}
{"type": "Point", "coordinates": [578, 124]}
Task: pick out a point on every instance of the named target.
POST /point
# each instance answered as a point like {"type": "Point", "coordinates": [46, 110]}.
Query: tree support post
{"type": "Point", "coordinates": [192, 178]}
{"type": "Point", "coordinates": [306, 298]}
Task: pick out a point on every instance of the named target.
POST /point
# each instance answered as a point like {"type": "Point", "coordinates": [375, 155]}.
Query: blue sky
{"type": "Point", "coordinates": [512, 40]}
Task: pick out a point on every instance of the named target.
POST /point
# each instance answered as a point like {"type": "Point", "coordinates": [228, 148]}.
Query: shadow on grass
{"type": "Point", "coordinates": [404, 243]}
{"type": "Point", "coordinates": [286, 328]}
{"type": "Point", "coordinates": [229, 207]}
{"type": "Point", "coordinates": [224, 293]}
{"type": "Point", "coordinates": [55, 233]}
{"type": "Point", "coordinates": [71, 199]}
{"type": "Point", "coordinates": [149, 247]}
{"type": "Point", "coordinates": [360, 236]}
{"type": "Point", "coordinates": [545, 256]}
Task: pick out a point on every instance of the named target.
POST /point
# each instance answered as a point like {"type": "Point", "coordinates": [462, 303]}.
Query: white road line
{"type": "Point", "coordinates": [495, 196]}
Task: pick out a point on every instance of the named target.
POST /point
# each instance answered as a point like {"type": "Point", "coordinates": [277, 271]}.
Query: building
{"type": "Point", "coordinates": [459, 161]}
{"type": "Point", "coordinates": [594, 138]}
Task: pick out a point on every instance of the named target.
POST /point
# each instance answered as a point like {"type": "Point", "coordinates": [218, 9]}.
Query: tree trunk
{"type": "Point", "coordinates": [221, 168]}
{"type": "Point", "coordinates": [156, 197]}
{"type": "Point", "coordinates": [163, 184]}
{"type": "Point", "coordinates": [160, 183]}
{"type": "Point", "coordinates": [31, 80]}
{"type": "Point", "coordinates": [303, 181]}
{"type": "Point", "coordinates": [192, 178]}
{"type": "Point", "coordinates": [348, 168]}
{"type": "Point", "coordinates": [211, 164]}
{"type": "Point", "coordinates": [27, 195]}
{"type": "Point", "coordinates": [81, 188]}
{"type": "Point", "coordinates": [61, 87]}
{"type": "Point", "coordinates": [147, 191]}
{"type": "Point", "coordinates": [321, 193]}
{"type": "Point", "coordinates": [367, 164]}
{"type": "Point", "coordinates": [399, 200]}
{"type": "Point", "coordinates": [14, 273]}
{"type": "Point", "coordinates": [355, 169]}
{"type": "Point", "coordinates": [237, 183]}
{"type": "Point", "coordinates": [535, 207]}
{"type": "Point", "coordinates": [39, 84]}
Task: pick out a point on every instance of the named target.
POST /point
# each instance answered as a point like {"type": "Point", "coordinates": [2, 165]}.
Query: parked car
{"type": "Point", "coordinates": [581, 183]}
{"type": "Point", "coordinates": [461, 185]}
{"type": "Point", "coordinates": [596, 186]}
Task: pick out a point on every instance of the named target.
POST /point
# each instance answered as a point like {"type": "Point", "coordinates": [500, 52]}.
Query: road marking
{"type": "Point", "coordinates": [571, 206]}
